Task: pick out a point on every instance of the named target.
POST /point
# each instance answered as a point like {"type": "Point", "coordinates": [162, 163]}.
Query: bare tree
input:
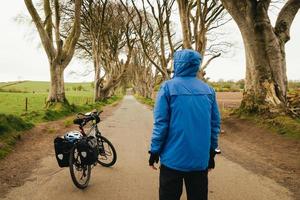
{"type": "Point", "coordinates": [199, 18]}
{"type": "Point", "coordinates": [59, 51]}
{"type": "Point", "coordinates": [266, 80]}
{"type": "Point", "coordinates": [153, 27]}
{"type": "Point", "coordinates": [94, 27]}
{"type": "Point", "coordinates": [107, 35]}
{"type": "Point", "coordinates": [115, 68]}
{"type": "Point", "coordinates": [143, 75]}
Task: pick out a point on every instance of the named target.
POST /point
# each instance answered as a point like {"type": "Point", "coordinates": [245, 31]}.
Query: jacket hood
{"type": "Point", "coordinates": [186, 62]}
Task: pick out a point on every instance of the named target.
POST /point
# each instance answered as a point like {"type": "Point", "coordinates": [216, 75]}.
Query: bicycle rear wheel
{"type": "Point", "coordinates": [107, 153]}
{"type": "Point", "coordinates": [80, 173]}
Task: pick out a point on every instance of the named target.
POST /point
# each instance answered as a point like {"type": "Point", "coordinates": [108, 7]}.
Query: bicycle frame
{"type": "Point", "coordinates": [94, 127]}
{"type": "Point", "coordinates": [93, 131]}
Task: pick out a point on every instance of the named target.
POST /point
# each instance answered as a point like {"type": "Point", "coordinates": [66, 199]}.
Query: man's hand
{"type": "Point", "coordinates": [154, 158]}
{"type": "Point", "coordinates": [212, 154]}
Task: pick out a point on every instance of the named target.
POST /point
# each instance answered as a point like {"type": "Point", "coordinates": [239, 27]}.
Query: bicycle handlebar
{"type": "Point", "coordinates": [80, 114]}
{"type": "Point", "coordinates": [90, 113]}
{"type": "Point", "coordinates": [85, 118]}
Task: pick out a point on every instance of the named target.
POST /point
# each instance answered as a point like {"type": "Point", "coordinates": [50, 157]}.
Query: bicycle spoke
{"type": "Point", "coordinates": [80, 173]}
{"type": "Point", "coordinates": [107, 156]}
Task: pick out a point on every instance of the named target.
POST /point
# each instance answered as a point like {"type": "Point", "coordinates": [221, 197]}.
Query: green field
{"type": "Point", "coordinates": [13, 95]}
{"type": "Point", "coordinates": [14, 118]}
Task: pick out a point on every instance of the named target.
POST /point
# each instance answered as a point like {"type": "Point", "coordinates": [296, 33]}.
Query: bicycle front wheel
{"type": "Point", "coordinates": [107, 153]}
{"type": "Point", "coordinates": [80, 173]}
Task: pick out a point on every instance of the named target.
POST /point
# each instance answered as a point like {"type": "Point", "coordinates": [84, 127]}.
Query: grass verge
{"type": "Point", "coordinates": [11, 125]}
{"type": "Point", "coordinates": [143, 100]}
{"type": "Point", "coordinates": [283, 125]}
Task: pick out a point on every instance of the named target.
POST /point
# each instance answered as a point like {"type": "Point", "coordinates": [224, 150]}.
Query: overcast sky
{"type": "Point", "coordinates": [21, 58]}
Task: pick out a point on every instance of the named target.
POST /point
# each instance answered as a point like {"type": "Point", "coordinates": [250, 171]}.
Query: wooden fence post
{"type": "Point", "coordinates": [26, 104]}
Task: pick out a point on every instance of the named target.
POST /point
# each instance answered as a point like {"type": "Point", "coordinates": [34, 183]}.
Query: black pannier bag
{"type": "Point", "coordinates": [88, 150]}
{"type": "Point", "coordinates": [62, 151]}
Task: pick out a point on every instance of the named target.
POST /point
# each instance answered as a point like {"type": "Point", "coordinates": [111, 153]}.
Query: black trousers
{"type": "Point", "coordinates": [171, 183]}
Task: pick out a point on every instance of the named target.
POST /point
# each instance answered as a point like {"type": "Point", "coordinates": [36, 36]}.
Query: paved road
{"type": "Point", "coordinates": [129, 129]}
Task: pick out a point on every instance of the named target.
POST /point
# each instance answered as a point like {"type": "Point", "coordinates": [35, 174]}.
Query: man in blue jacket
{"type": "Point", "coordinates": [185, 132]}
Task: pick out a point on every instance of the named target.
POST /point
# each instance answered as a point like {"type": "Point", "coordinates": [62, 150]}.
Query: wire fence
{"type": "Point", "coordinates": [18, 103]}
{"type": "Point", "coordinates": [72, 100]}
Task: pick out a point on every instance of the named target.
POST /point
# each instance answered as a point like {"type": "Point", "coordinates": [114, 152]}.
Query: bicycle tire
{"type": "Point", "coordinates": [86, 168]}
{"type": "Point", "coordinates": [113, 152]}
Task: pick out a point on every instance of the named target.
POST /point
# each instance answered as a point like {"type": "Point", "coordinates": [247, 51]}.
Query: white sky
{"type": "Point", "coordinates": [22, 59]}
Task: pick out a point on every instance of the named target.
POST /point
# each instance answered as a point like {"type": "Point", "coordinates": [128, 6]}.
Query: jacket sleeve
{"type": "Point", "coordinates": [215, 123]}
{"type": "Point", "coordinates": [161, 119]}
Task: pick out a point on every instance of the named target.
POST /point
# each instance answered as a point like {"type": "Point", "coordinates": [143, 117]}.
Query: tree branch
{"type": "Point", "coordinates": [285, 19]}
{"type": "Point", "coordinates": [203, 67]}
{"type": "Point", "coordinates": [59, 42]}
{"type": "Point", "coordinates": [183, 7]}
{"type": "Point", "coordinates": [138, 27]}
{"type": "Point", "coordinates": [46, 41]}
{"type": "Point", "coordinates": [48, 19]}
{"type": "Point", "coordinates": [70, 42]}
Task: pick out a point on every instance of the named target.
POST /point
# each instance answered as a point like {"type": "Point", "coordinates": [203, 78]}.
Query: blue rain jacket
{"type": "Point", "coordinates": [186, 117]}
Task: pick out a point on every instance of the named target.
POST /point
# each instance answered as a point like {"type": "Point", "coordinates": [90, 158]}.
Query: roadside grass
{"type": "Point", "coordinates": [68, 122]}
{"type": "Point", "coordinates": [143, 100]}
{"type": "Point", "coordinates": [7, 141]}
{"type": "Point", "coordinates": [226, 112]}
{"type": "Point", "coordinates": [9, 123]}
{"type": "Point", "coordinates": [280, 124]}
{"type": "Point", "coordinates": [12, 125]}
{"type": "Point", "coordinates": [283, 125]}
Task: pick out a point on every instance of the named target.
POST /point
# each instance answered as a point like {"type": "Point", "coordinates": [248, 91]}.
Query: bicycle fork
{"type": "Point", "coordinates": [100, 144]}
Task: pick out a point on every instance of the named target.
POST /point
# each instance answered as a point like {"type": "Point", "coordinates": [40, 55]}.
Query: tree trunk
{"type": "Point", "coordinates": [266, 80]}
{"type": "Point", "coordinates": [60, 56]}
{"type": "Point", "coordinates": [184, 20]}
{"type": "Point", "coordinates": [57, 88]}
{"type": "Point", "coordinates": [97, 80]}
{"type": "Point", "coordinates": [104, 93]}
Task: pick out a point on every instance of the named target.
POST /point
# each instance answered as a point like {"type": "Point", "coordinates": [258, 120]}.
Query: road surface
{"type": "Point", "coordinates": [129, 129]}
